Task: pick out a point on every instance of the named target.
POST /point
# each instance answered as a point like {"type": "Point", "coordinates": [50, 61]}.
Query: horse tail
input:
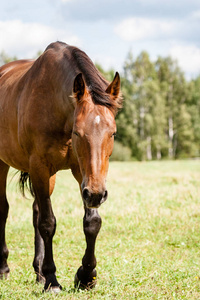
{"type": "Point", "coordinates": [25, 183]}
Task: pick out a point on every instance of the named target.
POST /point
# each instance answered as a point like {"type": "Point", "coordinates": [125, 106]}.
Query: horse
{"type": "Point", "coordinates": [56, 113]}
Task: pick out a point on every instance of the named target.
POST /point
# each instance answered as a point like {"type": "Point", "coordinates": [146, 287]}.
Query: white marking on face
{"type": "Point", "coordinates": [97, 120]}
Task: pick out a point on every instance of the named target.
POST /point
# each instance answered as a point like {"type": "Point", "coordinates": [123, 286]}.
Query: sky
{"type": "Point", "coordinates": [107, 30]}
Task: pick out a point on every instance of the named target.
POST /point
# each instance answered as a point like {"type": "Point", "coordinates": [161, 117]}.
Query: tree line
{"type": "Point", "coordinates": [160, 117]}
{"type": "Point", "coordinates": [161, 112]}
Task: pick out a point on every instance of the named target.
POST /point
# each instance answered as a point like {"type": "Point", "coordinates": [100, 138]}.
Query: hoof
{"type": "Point", "coordinates": [51, 284]}
{"type": "Point", "coordinates": [85, 281]}
{"type": "Point", "coordinates": [4, 276]}
{"type": "Point", "coordinates": [54, 289]}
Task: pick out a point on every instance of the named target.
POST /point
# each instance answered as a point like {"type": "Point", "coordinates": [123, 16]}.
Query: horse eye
{"type": "Point", "coordinates": [114, 134]}
{"type": "Point", "coordinates": [76, 133]}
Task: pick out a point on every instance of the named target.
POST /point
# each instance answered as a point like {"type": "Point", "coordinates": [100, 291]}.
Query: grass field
{"type": "Point", "coordinates": [148, 247]}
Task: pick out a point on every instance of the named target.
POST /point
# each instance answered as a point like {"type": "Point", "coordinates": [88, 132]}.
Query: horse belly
{"type": "Point", "coordinates": [12, 154]}
{"type": "Point", "coordinates": [10, 150]}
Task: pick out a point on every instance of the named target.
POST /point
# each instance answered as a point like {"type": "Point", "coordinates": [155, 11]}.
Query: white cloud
{"type": "Point", "coordinates": [165, 37]}
{"type": "Point", "coordinates": [134, 29]}
{"type": "Point", "coordinates": [26, 39]}
{"type": "Point", "coordinates": [196, 14]}
{"type": "Point", "coordinates": [188, 58]}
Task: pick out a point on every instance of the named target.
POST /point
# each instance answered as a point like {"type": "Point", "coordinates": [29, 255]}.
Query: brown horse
{"type": "Point", "coordinates": [56, 112]}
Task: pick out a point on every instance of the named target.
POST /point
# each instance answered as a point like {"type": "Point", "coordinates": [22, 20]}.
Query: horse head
{"type": "Point", "coordinates": [93, 138]}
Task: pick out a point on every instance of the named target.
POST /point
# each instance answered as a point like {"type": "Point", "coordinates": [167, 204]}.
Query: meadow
{"type": "Point", "coordinates": [148, 246]}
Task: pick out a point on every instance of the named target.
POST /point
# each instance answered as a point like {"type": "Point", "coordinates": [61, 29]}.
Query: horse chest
{"type": "Point", "coordinates": [60, 155]}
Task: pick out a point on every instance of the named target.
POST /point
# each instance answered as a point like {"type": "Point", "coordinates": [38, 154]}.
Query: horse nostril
{"type": "Point", "coordinates": [86, 194]}
{"type": "Point", "coordinates": [105, 195]}
{"type": "Point", "coordinates": [94, 199]}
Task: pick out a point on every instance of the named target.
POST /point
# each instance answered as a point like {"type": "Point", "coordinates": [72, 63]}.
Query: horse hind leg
{"type": "Point", "coordinates": [4, 207]}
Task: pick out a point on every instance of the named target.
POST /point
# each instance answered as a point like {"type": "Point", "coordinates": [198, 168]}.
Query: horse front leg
{"type": "Point", "coordinates": [86, 274]}
{"type": "Point", "coordinates": [47, 228]}
{"type": "Point", "coordinates": [46, 222]}
{"type": "Point", "coordinates": [39, 246]}
{"type": "Point", "coordinates": [39, 243]}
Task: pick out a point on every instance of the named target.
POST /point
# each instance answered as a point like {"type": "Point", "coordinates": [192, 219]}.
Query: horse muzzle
{"type": "Point", "coordinates": [94, 200]}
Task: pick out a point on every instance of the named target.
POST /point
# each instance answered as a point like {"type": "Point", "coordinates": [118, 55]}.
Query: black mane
{"type": "Point", "coordinates": [95, 82]}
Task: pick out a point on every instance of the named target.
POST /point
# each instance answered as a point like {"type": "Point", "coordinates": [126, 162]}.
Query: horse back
{"type": "Point", "coordinates": [15, 65]}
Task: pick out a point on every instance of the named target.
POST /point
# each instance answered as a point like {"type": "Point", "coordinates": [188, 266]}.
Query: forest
{"type": "Point", "coordinates": [160, 118]}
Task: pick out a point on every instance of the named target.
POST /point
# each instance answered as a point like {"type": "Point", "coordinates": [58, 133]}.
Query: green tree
{"type": "Point", "coordinates": [193, 105]}
{"type": "Point", "coordinates": [145, 108]}
{"type": "Point", "coordinates": [127, 118]}
{"type": "Point", "coordinates": [158, 112]}
{"type": "Point", "coordinates": [175, 90]}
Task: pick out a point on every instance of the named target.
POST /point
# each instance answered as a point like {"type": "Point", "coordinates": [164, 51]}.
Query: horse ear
{"type": "Point", "coordinates": [114, 88]}
{"type": "Point", "coordinates": [79, 86]}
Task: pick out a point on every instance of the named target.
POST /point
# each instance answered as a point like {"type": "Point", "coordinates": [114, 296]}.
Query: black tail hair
{"type": "Point", "coordinates": [25, 183]}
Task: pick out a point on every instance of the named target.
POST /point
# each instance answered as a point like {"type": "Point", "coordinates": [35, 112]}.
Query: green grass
{"type": "Point", "coordinates": [148, 246]}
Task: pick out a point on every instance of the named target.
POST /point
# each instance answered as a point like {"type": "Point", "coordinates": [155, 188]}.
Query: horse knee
{"type": "Point", "coordinates": [47, 227]}
{"type": "Point", "coordinates": [91, 223]}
